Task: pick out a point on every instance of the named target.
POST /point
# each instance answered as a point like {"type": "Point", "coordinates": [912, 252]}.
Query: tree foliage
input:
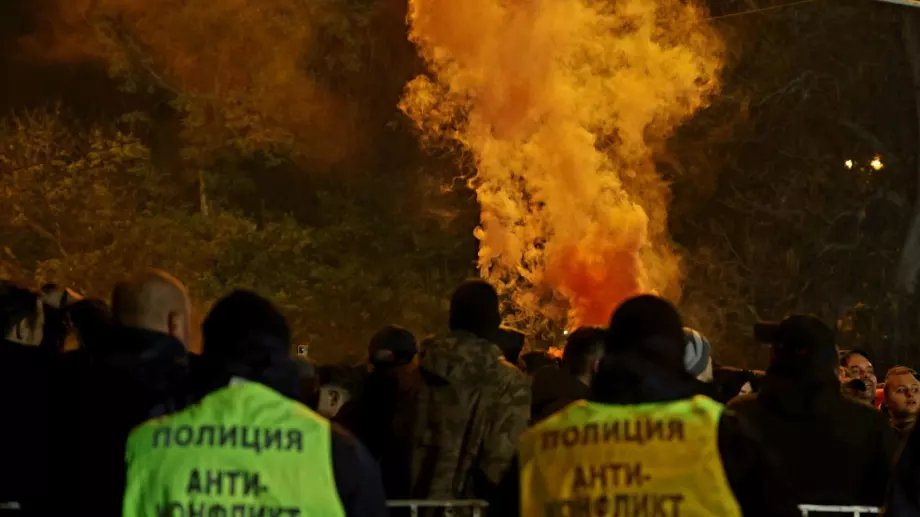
{"type": "Point", "coordinates": [772, 218]}
{"type": "Point", "coordinates": [102, 209]}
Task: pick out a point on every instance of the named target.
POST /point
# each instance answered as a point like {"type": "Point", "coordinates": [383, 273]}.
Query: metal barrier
{"type": "Point", "coordinates": [855, 511]}
{"type": "Point", "coordinates": [476, 505]}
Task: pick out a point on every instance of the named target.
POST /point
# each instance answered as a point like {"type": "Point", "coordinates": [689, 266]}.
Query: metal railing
{"type": "Point", "coordinates": [475, 505]}
{"type": "Point", "coordinates": [855, 511]}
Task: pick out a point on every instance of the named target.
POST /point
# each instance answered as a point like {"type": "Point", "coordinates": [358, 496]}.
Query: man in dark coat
{"type": "Point", "coordinates": [381, 416]}
{"type": "Point", "coordinates": [137, 371]}
{"type": "Point", "coordinates": [833, 450]}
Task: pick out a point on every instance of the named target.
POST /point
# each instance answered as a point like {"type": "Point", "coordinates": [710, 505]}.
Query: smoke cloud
{"type": "Point", "coordinates": [241, 65]}
{"type": "Point", "coordinates": [562, 102]}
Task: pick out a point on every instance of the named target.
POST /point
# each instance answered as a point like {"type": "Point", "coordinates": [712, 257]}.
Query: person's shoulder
{"type": "Point", "coordinates": [742, 403]}
{"type": "Point", "coordinates": [866, 414]}
{"type": "Point", "coordinates": [511, 376]}
{"type": "Point", "coordinates": [350, 458]}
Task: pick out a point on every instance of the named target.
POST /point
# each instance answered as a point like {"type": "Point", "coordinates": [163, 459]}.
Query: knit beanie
{"type": "Point", "coordinates": [697, 352]}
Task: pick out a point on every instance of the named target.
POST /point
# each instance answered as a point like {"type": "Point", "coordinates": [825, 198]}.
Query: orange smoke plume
{"type": "Point", "coordinates": [561, 102]}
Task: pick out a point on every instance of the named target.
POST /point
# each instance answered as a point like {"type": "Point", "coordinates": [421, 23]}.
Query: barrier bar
{"type": "Point", "coordinates": [477, 505]}
{"type": "Point", "coordinates": [856, 511]}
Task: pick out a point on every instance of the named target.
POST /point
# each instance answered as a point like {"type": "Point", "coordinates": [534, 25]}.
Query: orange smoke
{"type": "Point", "coordinates": [560, 101]}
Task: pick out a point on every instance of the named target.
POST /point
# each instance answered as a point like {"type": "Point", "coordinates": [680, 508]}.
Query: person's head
{"type": "Point", "coordinates": [698, 355]}
{"type": "Point", "coordinates": [153, 300]}
{"type": "Point", "coordinates": [91, 320]}
{"type": "Point", "coordinates": [474, 308]}
{"type": "Point", "coordinates": [338, 385]}
{"type": "Point", "coordinates": [856, 364]}
{"type": "Point", "coordinates": [245, 336]}
{"type": "Point", "coordinates": [583, 349]}
{"type": "Point", "coordinates": [511, 342]}
{"type": "Point", "coordinates": [649, 325]}
{"type": "Point", "coordinates": [21, 315]}
{"type": "Point", "coordinates": [902, 392]}
{"type": "Point", "coordinates": [392, 347]}
{"type": "Point", "coordinates": [801, 347]}
{"type": "Point", "coordinates": [644, 350]}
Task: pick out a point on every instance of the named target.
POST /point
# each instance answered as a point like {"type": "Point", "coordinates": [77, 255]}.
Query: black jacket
{"type": "Point", "coordinates": [904, 498]}
{"type": "Point", "coordinates": [357, 477]}
{"type": "Point", "coordinates": [832, 450]}
{"type": "Point", "coordinates": [381, 417]}
{"type": "Point", "coordinates": [25, 392]}
{"type": "Point", "coordinates": [752, 473]}
{"type": "Point", "coordinates": [100, 396]}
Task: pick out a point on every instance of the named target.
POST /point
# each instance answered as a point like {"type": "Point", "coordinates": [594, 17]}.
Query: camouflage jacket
{"type": "Point", "coordinates": [472, 407]}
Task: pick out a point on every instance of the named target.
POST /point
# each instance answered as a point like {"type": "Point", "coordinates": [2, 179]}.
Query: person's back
{"type": "Point", "coordinates": [248, 447]}
{"type": "Point", "coordinates": [244, 448]}
{"type": "Point", "coordinates": [472, 405]}
{"type": "Point", "coordinates": [833, 450]}
{"type": "Point", "coordinates": [644, 443]}
{"type": "Point", "coordinates": [381, 416]}
{"type": "Point", "coordinates": [136, 370]}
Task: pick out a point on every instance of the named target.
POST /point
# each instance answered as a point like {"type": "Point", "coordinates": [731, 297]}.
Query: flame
{"type": "Point", "coordinates": [876, 163]}
{"type": "Point", "coordinates": [848, 164]}
{"type": "Point", "coordinates": [560, 102]}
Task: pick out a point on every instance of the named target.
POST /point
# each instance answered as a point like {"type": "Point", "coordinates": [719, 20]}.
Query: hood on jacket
{"type": "Point", "coordinates": [460, 357]}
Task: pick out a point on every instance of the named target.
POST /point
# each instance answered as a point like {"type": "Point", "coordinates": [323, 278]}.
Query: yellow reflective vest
{"type": "Point", "coordinates": [244, 451]}
{"type": "Point", "coordinates": [654, 460]}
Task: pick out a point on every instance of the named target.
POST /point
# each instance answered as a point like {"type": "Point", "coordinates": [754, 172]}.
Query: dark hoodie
{"type": "Point", "coordinates": [832, 450]}
{"type": "Point", "coordinates": [472, 407]}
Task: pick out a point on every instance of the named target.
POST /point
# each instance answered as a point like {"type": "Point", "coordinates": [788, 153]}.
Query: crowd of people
{"type": "Point", "coordinates": [630, 419]}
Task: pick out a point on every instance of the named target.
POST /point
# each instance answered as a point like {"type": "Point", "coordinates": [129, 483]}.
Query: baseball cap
{"type": "Point", "coordinates": [800, 339]}
{"type": "Point", "coordinates": [392, 346]}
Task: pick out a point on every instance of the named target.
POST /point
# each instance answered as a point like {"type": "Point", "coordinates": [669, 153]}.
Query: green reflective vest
{"type": "Point", "coordinates": [659, 459]}
{"type": "Point", "coordinates": [244, 451]}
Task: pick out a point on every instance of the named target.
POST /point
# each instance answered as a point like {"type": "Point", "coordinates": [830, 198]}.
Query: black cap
{"type": "Point", "coordinates": [392, 346]}
{"type": "Point", "coordinates": [800, 339]}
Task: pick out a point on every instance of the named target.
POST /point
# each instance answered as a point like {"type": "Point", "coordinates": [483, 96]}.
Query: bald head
{"type": "Point", "coordinates": [153, 300]}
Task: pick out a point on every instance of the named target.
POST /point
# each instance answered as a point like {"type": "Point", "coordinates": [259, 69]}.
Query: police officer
{"type": "Point", "coordinates": [644, 444]}
{"type": "Point", "coordinates": [248, 448]}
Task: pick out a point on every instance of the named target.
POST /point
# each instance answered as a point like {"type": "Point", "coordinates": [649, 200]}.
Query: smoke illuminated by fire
{"type": "Point", "coordinates": [561, 102]}
{"type": "Point", "coordinates": [241, 62]}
